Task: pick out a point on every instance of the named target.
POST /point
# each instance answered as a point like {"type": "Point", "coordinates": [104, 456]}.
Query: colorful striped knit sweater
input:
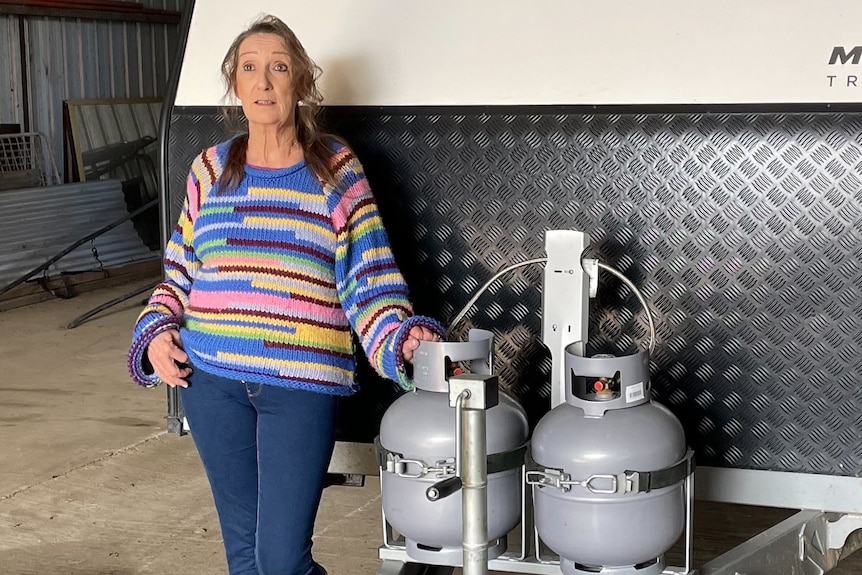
{"type": "Point", "coordinates": [266, 282]}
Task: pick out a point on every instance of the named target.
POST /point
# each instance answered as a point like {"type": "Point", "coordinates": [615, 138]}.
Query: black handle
{"type": "Point", "coordinates": [443, 489]}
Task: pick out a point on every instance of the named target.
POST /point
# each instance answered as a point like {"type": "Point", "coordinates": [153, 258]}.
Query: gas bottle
{"type": "Point", "coordinates": [417, 448]}
{"type": "Point", "coordinates": [608, 469]}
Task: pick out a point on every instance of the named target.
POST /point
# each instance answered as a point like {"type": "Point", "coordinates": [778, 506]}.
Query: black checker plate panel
{"type": "Point", "coordinates": [743, 230]}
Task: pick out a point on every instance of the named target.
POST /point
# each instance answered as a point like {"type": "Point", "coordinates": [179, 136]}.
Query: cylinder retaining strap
{"type": "Point", "coordinates": [396, 463]}
{"type": "Point", "coordinates": [614, 483]}
{"type": "Point", "coordinates": [646, 481]}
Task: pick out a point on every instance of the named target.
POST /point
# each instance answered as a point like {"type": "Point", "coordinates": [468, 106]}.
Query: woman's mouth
{"type": "Point", "coordinates": [264, 102]}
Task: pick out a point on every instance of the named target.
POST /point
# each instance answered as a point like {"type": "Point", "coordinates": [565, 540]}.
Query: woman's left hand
{"type": "Point", "coordinates": [417, 334]}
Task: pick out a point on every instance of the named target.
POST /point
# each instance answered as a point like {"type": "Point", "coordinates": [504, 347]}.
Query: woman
{"type": "Point", "coordinates": [279, 254]}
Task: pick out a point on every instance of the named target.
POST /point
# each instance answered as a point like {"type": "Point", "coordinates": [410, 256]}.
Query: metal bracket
{"type": "Point", "coordinates": [839, 530]}
{"type": "Point", "coordinates": [477, 391]}
{"type": "Point", "coordinates": [808, 543]}
{"type": "Point", "coordinates": [565, 303]}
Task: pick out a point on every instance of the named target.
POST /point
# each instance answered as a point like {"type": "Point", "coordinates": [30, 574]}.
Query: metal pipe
{"type": "Point", "coordinates": [459, 407]}
{"type": "Point", "coordinates": [474, 495]}
{"type": "Point", "coordinates": [84, 317]}
{"type": "Point", "coordinates": [689, 522]}
{"type": "Point", "coordinates": [82, 241]}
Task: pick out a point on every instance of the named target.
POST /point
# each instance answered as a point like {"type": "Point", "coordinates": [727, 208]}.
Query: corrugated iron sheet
{"type": "Point", "coordinates": [101, 124]}
{"type": "Point", "coordinates": [11, 98]}
{"type": "Point", "coordinates": [38, 223]}
{"type": "Point", "coordinates": [117, 128]}
{"type": "Point", "coordinates": [70, 58]}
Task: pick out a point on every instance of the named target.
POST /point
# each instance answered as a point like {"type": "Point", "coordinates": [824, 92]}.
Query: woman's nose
{"type": "Point", "coordinates": [263, 81]}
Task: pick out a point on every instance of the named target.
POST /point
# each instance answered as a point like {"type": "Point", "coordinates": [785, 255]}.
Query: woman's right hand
{"type": "Point", "coordinates": [163, 352]}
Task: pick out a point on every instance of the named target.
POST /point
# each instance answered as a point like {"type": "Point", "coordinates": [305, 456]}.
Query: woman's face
{"type": "Point", "coordinates": [264, 81]}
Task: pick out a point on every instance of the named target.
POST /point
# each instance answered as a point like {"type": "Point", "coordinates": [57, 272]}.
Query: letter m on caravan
{"type": "Point", "coordinates": [840, 53]}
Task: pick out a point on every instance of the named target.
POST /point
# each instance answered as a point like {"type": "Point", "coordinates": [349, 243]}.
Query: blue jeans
{"type": "Point", "coordinates": [265, 450]}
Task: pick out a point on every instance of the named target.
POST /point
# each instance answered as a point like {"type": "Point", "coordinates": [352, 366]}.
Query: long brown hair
{"type": "Point", "coordinates": [315, 143]}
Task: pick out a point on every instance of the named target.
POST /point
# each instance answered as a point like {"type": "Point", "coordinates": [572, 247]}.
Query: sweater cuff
{"type": "Point", "coordinates": [139, 366]}
{"type": "Point", "coordinates": [401, 335]}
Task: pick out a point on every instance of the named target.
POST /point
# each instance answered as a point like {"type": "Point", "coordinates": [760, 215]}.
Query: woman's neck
{"type": "Point", "coordinates": [271, 148]}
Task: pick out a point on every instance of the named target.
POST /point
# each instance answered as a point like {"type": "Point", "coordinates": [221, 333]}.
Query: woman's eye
{"type": "Point", "coordinates": [280, 67]}
{"type": "Point", "coordinates": [248, 67]}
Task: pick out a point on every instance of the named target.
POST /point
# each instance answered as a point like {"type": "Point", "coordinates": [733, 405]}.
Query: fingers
{"type": "Point", "coordinates": [177, 352]}
{"type": "Point", "coordinates": [423, 334]}
{"type": "Point", "coordinates": [178, 378]}
{"type": "Point", "coordinates": [417, 334]}
{"type": "Point", "coordinates": [165, 352]}
{"type": "Point", "coordinates": [169, 345]}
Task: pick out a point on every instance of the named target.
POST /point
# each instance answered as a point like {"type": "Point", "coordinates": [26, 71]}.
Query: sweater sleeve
{"type": "Point", "coordinates": [372, 290]}
{"type": "Point", "coordinates": [167, 304]}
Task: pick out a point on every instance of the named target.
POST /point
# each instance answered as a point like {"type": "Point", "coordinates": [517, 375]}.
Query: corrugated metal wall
{"type": "Point", "coordinates": [34, 229]}
{"type": "Point", "coordinates": [11, 99]}
{"type": "Point", "coordinates": [73, 58]}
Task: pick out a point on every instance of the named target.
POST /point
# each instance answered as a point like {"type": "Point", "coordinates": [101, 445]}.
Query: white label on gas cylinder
{"type": "Point", "coordinates": [635, 392]}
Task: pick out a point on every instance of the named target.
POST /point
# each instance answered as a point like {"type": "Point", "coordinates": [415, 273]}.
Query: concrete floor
{"type": "Point", "coordinates": [90, 484]}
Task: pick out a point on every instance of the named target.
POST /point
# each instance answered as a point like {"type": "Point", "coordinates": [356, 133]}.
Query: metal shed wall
{"type": "Point", "coordinates": [54, 59]}
{"type": "Point", "coordinates": [34, 230]}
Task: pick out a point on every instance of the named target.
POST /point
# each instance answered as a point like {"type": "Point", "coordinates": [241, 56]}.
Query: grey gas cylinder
{"type": "Point", "coordinates": [418, 446]}
{"type": "Point", "coordinates": [593, 460]}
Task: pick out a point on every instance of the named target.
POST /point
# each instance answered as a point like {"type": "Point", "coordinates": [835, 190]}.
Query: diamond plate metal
{"type": "Point", "coordinates": [742, 230]}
